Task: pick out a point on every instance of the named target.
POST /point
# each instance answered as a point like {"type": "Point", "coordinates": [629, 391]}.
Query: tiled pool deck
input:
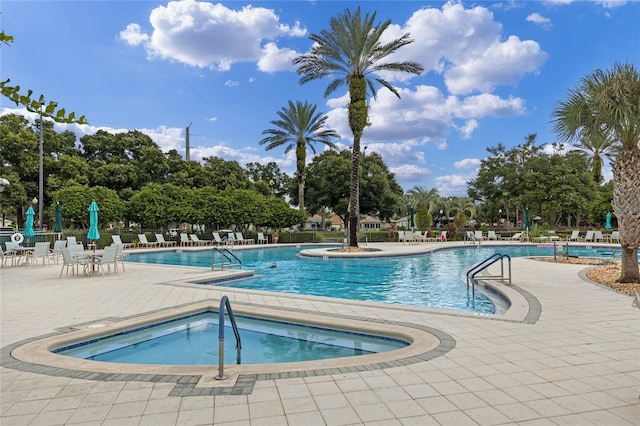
{"type": "Point", "coordinates": [572, 358]}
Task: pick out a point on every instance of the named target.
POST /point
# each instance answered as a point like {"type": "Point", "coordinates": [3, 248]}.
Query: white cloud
{"type": "Point", "coordinates": [453, 185]}
{"type": "Point", "coordinates": [231, 83]}
{"type": "Point", "coordinates": [467, 163]}
{"type": "Point", "coordinates": [275, 59]}
{"type": "Point", "coordinates": [203, 34]}
{"type": "Point", "coordinates": [212, 119]}
{"type": "Point", "coordinates": [133, 35]}
{"type": "Point", "coordinates": [538, 19]}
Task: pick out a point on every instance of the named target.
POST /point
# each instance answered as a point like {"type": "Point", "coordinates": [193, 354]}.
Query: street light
{"type": "Point", "coordinates": [3, 183]}
{"type": "Point", "coordinates": [441, 212]}
{"type": "Point", "coordinates": [499, 216]}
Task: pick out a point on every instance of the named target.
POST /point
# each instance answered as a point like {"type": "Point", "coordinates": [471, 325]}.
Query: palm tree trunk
{"type": "Point", "coordinates": [301, 156]}
{"type": "Point", "coordinates": [358, 113]}
{"type": "Point", "coordinates": [626, 206]}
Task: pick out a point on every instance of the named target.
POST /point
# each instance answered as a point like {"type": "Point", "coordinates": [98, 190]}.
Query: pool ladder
{"type": "Point", "coordinates": [475, 270]}
{"type": "Point", "coordinates": [224, 303]}
{"type": "Point", "coordinates": [228, 259]}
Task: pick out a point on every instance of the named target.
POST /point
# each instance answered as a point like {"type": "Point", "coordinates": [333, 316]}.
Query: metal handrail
{"type": "Point", "coordinates": [475, 270]}
{"type": "Point", "coordinates": [224, 303]}
{"type": "Point", "coordinates": [226, 254]}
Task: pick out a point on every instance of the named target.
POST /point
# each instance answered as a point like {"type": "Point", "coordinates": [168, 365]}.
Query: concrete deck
{"type": "Point", "coordinates": [575, 360]}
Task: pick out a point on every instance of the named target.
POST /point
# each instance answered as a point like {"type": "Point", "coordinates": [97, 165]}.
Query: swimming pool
{"type": "Point", "coordinates": [192, 340]}
{"type": "Point", "coordinates": [429, 280]}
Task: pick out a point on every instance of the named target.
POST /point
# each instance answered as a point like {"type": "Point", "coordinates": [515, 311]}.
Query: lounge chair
{"type": "Point", "coordinates": [72, 240]}
{"type": "Point", "coordinates": [118, 241]}
{"type": "Point", "coordinates": [198, 242]}
{"type": "Point", "coordinates": [478, 235]}
{"type": "Point", "coordinates": [597, 236]}
{"type": "Point", "coordinates": [575, 236]}
{"type": "Point", "coordinates": [516, 237]}
{"type": "Point", "coordinates": [231, 238]}
{"type": "Point", "coordinates": [418, 237]}
{"type": "Point", "coordinates": [242, 240]}
{"type": "Point", "coordinates": [262, 239]}
{"type": "Point", "coordinates": [615, 236]}
{"type": "Point", "coordinates": [184, 240]}
{"type": "Point", "coordinates": [443, 236]}
{"type": "Point", "coordinates": [589, 237]}
{"type": "Point", "coordinates": [143, 242]}
{"type": "Point", "coordinates": [164, 243]}
{"type": "Point", "coordinates": [217, 239]}
{"type": "Point", "coordinates": [492, 236]}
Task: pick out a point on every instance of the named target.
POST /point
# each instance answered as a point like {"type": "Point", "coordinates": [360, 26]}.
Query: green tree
{"type": "Point", "coordinates": [75, 202]}
{"type": "Point", "coordinates": [350, 53]}
{"type": "Point", "coordinates": [222, 174]}
{"type": "Point", "coordinates": [596, 146]}
{"type": "Point", "coordinates": [299, 126]}
{"type": "Point", "coordinates": [271, 175]}
{"type": "Point", "coordinates": [606, 104]}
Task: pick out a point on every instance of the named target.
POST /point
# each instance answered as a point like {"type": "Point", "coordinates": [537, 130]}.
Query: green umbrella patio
{"type": "Point", "coordinates": [58, 227]}
{"type": "Point", "coordinates": [93, 233]}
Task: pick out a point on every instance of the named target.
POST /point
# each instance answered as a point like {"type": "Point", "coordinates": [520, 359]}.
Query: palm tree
{"type": "Point", "coordinates": [607, 104]}
{"type": "Point", "coordinates": [350, 52]}
{"type": "Point", "coordinates": [596, 146]}
{"type": "Point", "coordinates": [299, 125]}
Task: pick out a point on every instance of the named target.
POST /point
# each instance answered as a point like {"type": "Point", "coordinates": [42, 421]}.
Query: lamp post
{"type": "Point", "coordinates": [441, 213]}
{"type": "Point", "coordinates": [3, 184]}
{"type": "Point", "coordinates": [41, 170]}
{"type": "Point", "coordinates": [499, 216]}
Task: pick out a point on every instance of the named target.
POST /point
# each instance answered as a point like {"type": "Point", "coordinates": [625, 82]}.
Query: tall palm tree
{"type": "Point", "coordinates": [597, 146]}
{"type": "Point", "coordinates": [608, 103]}
{"type": "Point", "coordinates": [299, 126]}
{"type": "Point", "coordinates": [350, 53]}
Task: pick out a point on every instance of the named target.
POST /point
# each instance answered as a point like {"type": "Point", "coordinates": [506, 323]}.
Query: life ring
{"type": "Point", "coordinates": [17, 238]}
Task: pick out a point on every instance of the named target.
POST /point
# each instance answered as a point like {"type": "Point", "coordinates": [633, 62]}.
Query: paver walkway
{"type": "Point", "coordinates": [579, 363]}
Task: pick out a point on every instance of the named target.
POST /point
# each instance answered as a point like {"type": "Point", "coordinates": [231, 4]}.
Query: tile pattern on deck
{"type": "Point", "coordinates": [579, 363]}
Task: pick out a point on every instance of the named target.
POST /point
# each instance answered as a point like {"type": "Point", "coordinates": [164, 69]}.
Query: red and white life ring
{"type": "Point", "coordinates": [17, 238]}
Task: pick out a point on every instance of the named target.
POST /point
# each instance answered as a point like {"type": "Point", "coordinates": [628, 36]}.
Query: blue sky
{"type": "Point", "coordinates": [494, 71]}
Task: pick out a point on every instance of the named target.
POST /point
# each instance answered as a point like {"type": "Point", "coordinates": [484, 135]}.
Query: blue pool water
{"type": "Point", "coordinates": [430, 280]}
{"type": "Point", "coordinates": [193, 340]}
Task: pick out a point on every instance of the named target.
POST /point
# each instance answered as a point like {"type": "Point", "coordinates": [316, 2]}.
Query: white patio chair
{"type": "Point", "coordinates": [262, 239]}
{"type": "Point", "coordinates": [242, 240]}
{"type": "Point", "coordinates": [590, 236]}
{"type": "Point", "coordinates": [198, 242]}
{"type": "Point", "coordinates": [597, 236]}
{"type": "Point", "coordinates": [69, 260]}
{"type": "Point", "coordinates": [184, 240]}
{"type": "Point", "coordinates": [217, 239]}
{"type": "Point", "coordinates": [40, 251]}
{"type": "Point", "coordinates": [615, 236]}
{"type": "Point", "coordinates": [164, 243]}
{"type": "Point", "coordinates": [575, 236]}
{"type": "Point", "coordinates": [56, 252]}
{"type": "Point", "coordinates": [108, 258]}
{"type": "Point", "coordinates": [231, 239]}
{"type": "Point", "coordinates": [117, 240]}
{"type": "Point", "coordinates": [143, 242]}
{"type": "Point", "coordinates": [492, 236]}
{"type": "Point", "coordinates": [4, 257]}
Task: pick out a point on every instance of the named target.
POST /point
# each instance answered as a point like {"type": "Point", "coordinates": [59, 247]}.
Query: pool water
{"type": "Point", "coordinates": [429, 280]}
{"type": "Point", "coordinates": [193, 340]}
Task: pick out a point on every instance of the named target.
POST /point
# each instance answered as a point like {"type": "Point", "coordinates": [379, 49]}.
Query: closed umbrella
{"type": "Point", "coordinates": [93, 233]}
{"type": "Point", "coordinates": [58, 227]}
{"type": "Point", "coordinates": [411, 214]}
{"type": "Point", "coordinates": [608, 223]}
{"type": "Point", "coordinates": [28, 228]}
{"type": "Point", "coordinates": [527, 221]}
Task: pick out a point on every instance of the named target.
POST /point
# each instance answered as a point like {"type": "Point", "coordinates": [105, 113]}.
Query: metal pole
{"type": "Point", "coordinates": [41, 174]}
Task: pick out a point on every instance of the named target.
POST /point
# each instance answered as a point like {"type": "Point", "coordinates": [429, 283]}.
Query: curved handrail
{"type": "Point", "coordinates": [224, 252]}
{"type": "Point", "coordinates": [471, 273]}
{"type": "Point", "coordinates": [224, 303]}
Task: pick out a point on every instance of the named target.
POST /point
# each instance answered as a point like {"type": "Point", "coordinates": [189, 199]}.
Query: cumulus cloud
{"type": "Point", "coordinates": [203, 34]}
{"type": "Point", "coordinates": [453, 185]}
{"type": "Point", "coordinates": [467, 163]}
{"type": "Point", "coordinates": [538, 19]}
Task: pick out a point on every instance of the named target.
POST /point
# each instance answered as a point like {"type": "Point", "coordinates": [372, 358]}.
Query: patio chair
{"type": "Point", "coordinates": [72, 240]}
{"type": "Point", "coordinates": [69, 260]}
{"type": "Point", "coordinates": [164, 243]}
{"type": "Point", "coordinates": [597, 236]}
{"type": "Point", "coordinates": [119, 254]}
{"type": "Point", "coordinates": [117, 240]}
{"type": "Point", "coordinates": [198, 242]}
{"type": "Point", "coordinates": [478, 235]}
{"type": "Point", "coordinates": [242, 240]}
{"type": "Point", "coordinates": [184, 240]}
{"type": "Point", "coordinates": [516, 237]}
{"type": "Point", "coordinates": [418, 237]}
{"type": "Point", "coordinates": [56, 252]}
{"type": "Point", "coordinates": [615, 236]}
{"type": "Point", "coordinates": [40, 251]}
{"type": "Point", "coordinates": [262, 239]}
{"type": "Point", "coordinates": [231, 238]}
{"type": "Point", "coordinates": [108, 258]}
{"type": "Point", "coordinates": [589, 237]}
{"type": "Point", "coordinates": [575, 236]}
{"type": "Point", "coordinates": [217, 239]}
{"type": "Point", "coordinates": [143, 242]}
{"type": "Point", "coordinates": [4, 257]}
{"type": "Point", "coordinates": [492, 236]}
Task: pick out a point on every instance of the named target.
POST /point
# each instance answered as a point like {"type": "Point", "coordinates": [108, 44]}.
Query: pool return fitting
{"type": "Point", "coordinates": [224, 303]}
